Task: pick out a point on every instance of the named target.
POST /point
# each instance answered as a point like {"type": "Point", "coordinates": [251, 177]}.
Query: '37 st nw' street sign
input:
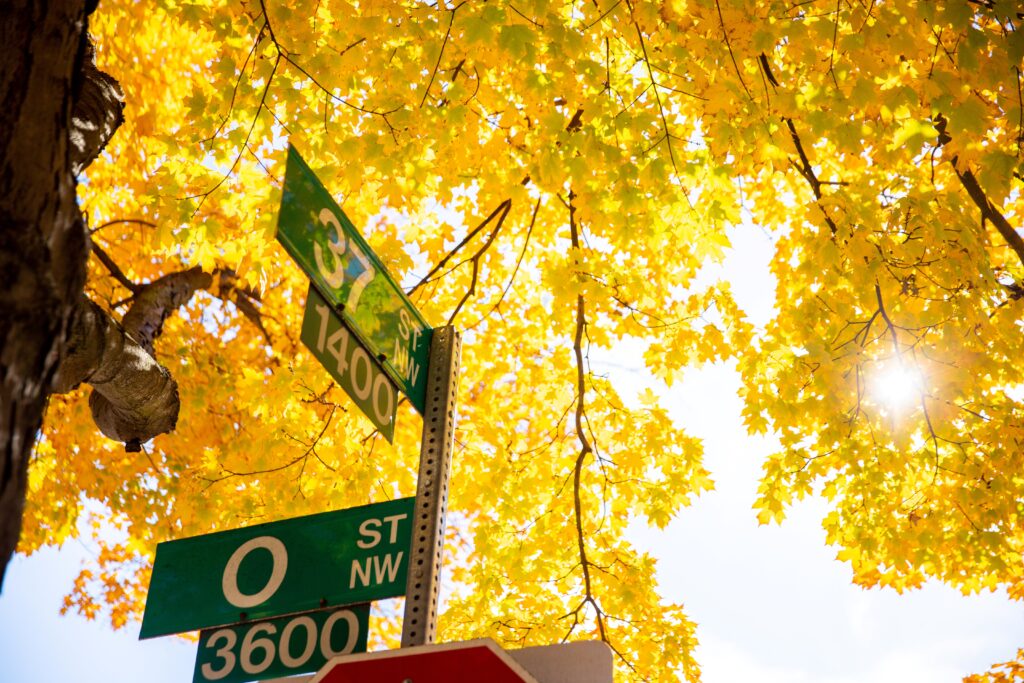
{"type": "Point", "coordinates": [341, 265]}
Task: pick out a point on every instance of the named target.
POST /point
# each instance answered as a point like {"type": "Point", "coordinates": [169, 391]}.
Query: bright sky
{"type": "Point", "coordinates": [771, 603]}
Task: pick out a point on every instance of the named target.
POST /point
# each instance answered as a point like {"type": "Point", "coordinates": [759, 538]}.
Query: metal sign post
{"type": "Point", "coordinates": [424, 578]}
{"type": "Point", "coordinates": [349, 279]}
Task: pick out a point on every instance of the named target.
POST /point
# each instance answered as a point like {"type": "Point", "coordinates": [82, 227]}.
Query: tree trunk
{"type": "Point", "coordinates": [57, 113]}
{"type": "Point", "coordinates": [43, 239]}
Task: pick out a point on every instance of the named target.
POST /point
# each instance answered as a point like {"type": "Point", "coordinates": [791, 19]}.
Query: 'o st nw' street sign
{"type": "Point", "coordinates": [328, 559]}
{"type": "Point", "coordinates": [322, 240]}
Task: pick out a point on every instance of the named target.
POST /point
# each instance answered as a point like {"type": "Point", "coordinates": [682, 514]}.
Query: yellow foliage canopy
{"type": "Point", "coordinates": [878, 143]}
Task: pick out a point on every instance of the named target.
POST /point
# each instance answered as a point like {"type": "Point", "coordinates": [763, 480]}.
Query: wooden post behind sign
{"type": "Point", "coordinates": [420, 623]}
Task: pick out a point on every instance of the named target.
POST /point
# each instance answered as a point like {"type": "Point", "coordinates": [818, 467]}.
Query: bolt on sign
{"type": "Point", "coordinates": [330, 559]}
{"type": "Point", "coordinates": [285, 646]}
{"type": "Point", "coordinates": [319, 236]}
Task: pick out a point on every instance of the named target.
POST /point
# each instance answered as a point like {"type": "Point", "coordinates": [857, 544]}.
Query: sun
{"type": "Point", "coordinates": [897, 385]}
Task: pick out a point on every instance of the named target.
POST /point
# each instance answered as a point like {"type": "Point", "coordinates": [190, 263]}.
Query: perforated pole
{"type": "Point", "coordinates": [423, 583]}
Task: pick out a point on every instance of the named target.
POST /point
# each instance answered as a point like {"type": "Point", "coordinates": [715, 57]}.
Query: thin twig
{"type": "Point", "coordinates": [473, 233]}
{"type": "Point", "coordinates": [444, 43]}
{"type": "Point", "coordinates": [310, 450]}
{"type": "Point", "coordinates": [585, 447]}
{"type": "Point", "coordinates": [238, 82]}
{"type": "Point", "coordinates": [657, 96]}
{"type": "Point", "coordinates": [732, 56]}
{"type": "Point", "coordinates": [603, 15]}
{"type": "Point", "coordinates": [114, 270]}
{"type": "Point", "coordinates": [977, 194]}
{"type": "Point", "coordinates": [519, 261]}
{"type": "Point", "coordinates": [888, 323]}
{"type": "Point", "coordinates": [476, 262]}
{"type": "Point", "coordinates": [807, 171]}
{"type": "Point", "coordinates": [835, 40]}
{"type": "Point", "coordinates": [137, 221]}
{"type": "Point", "coordinates": [245, 143]}
{"type": "Point", "coordinates": [1020, 115]}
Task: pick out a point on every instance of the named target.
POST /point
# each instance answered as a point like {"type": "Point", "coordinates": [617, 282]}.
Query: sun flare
{"type": "Point", "coordinates": [897, 386]}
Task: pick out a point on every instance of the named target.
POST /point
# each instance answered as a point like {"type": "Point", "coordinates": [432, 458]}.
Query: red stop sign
{"type": "Point", "coordinates": [474, 660]}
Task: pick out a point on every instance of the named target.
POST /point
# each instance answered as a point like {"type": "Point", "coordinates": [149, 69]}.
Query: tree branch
{"type": "Point", "coordinates": [156, 301]}
{"type": "Point", "coordinates": [519, 262]}
{"type": "Point", "coordinates": [657, 95]}
{"type": "Point", "coordinates": [503, 206]}
{"type": "Point", "coordinates": [476, 260]}
{"type": "Point", "coordinates": [990, 212]}
{"type": "Point", "coordinates": [135, 398]}
{"type": "Point", "coordinates": [114, 270]}
{"type": "Point", "coordinates": [732, 56]}
{"type": "Point", "coordinates": [585, 448]}
{"type": "Point", "coordinates": [977, 194]}
{"type": "Point", "coordinates": [444, 43]}
{"type": "Point", "coordinates": [243, 297]}
{"type": "Point", "coordinates": [807, 171]}
{"type": "Point", "coordinates": [888, 323]}
{"type": "Point", "coordinates": [98, 112]}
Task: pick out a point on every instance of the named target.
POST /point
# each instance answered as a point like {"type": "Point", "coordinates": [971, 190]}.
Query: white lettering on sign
{"type": "Point", "coordinates": [225, 653]}
{"type": "Point", "coordinates": [394, 520]}
{"type": "Point", "coordinates": [353, 634]}
{"type": "Point", "coordinates": [364, 378]}
{"type": "Point", "coordinates": [332, 276]}
{"type": "Point", "coordinates": [374, 570]}
{"type": "Point", "coordinates": [270, 651]}
{"type": "Point", "coordinates": [403, 324]}
{"type": "Point", "coordinates": [286, 640]}
{"type": "Point", "coordinates": [336, 344]}
{"type": "Point", "coordinates": [363, 386]}
{"type": "Point", "coordinates": [407, 326]}
{"type": "Point", "coordinates": [369, 529]}
{"type": "Point", "coordinates": [251, 643]}
{"type": "Point", "coordinates": [382, 388]}
{"type": "Point", "coordinates": [229, 582]}
{"type": "Point", "coordinates": [337, 244]}
{"type": "Point", "coordinates": [362, 280]}
{"type": "Point", "coordinates": [406, 366]}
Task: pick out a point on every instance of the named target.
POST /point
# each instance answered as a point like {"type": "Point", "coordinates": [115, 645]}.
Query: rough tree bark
{"type": "Point", "coordinates": [57, 112]}
{"type": "Point", "coordinates": [43, 239]}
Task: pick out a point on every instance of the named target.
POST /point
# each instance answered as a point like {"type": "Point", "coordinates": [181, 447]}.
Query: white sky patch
{"type": "Point", "coordinates": [772, 604]}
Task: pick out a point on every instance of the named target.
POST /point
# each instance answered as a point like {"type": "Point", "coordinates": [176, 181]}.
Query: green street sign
{"type": "Point", "coordinates": [322, 240]}
{"type": "Point", "coordinates": [348, 362]}
{"type": "Point", "coordinates": [295, 565]}
{"type": "Point", "coordinates": [280, 647]}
